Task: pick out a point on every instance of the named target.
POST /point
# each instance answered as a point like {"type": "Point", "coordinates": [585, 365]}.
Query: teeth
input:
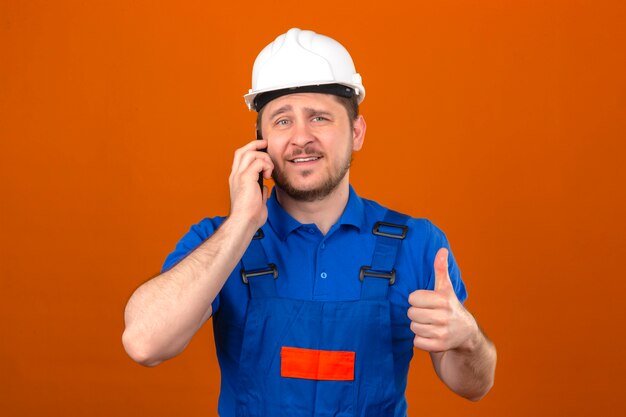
{"type": "Point", "coordinates": [312, 158]}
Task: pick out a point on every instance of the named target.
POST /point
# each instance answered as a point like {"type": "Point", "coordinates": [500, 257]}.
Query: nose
{"type": "Point", "coordinates": [301, 135]}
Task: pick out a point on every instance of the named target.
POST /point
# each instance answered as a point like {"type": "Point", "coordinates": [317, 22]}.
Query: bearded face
{"type": "Point", "coordinates": [310, 140]}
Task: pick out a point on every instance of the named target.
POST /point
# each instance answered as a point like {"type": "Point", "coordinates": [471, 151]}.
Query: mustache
{"type": "Point", "coordinates": [308, 150]}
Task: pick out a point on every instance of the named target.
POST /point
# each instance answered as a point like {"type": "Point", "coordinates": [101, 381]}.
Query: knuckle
{"type": "Point", "coordinates": [441, 333]}
{"type": "Point", "coordinates": [417, 342]}
{"type": "Point", "coordinates": [444, 304]}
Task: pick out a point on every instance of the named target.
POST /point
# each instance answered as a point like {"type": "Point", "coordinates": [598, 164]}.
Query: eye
{"type": "Point", "coordinates": [282, 122]}
{"type": "Point", "coordinates": [319, 119]}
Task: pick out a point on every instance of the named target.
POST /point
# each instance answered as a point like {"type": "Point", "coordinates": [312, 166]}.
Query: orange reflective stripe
{"type": "Point", "coordinates": [321, 365]}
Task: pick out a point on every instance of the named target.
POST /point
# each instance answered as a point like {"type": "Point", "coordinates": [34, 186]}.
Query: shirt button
{"type": "Point", "coordinates": [311, 230]}
{"type": "Point", "coordinates": [323, 275]}
{"type": "Point", "coordinates": [323, 245]}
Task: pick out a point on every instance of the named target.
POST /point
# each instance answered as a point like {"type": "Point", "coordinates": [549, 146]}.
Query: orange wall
{"type": "Point", "coordinates": [503, 122]}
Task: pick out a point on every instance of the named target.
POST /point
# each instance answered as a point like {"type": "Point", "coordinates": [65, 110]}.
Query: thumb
{"type": "Point", "coordinates": [442, 277]}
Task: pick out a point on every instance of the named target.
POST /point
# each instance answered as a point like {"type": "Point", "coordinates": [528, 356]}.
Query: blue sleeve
{"type": "Point", "coordinates": [190, 241]}
{"type": "Point", "coordinates": [436, 241]}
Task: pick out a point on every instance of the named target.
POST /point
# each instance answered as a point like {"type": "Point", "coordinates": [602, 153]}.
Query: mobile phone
{"type": "Point", "coordinates": [260, 137]}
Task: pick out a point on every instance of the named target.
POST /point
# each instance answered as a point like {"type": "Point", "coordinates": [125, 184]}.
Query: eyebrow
{"type": "Point", "coordinates": [309, 110]}
{"type": "Point", "coordinates": [314, 112]}
{"type": "Point", "coordinates": [281, 110]}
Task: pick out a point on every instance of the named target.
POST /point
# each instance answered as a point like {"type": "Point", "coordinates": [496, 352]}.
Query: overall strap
{"type": "Point", "coordinates": [381, 274]}
{"type": "Point", "coordinates": [256, 271]}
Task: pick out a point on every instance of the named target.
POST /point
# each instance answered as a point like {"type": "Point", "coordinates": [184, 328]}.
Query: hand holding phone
{"type": "Point", "coordinates": [260, 137]}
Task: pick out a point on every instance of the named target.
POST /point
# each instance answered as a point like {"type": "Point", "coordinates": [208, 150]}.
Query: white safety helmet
{"type": "Point", "coordinates": [303, 61]}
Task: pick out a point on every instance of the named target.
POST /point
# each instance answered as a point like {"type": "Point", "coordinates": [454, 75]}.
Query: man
{"type": "Point", "coordinates": [318, 297]}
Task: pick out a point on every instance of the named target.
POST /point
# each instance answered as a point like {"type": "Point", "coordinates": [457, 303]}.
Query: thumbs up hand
{"type": "Point", "coordinates": [438, 319]}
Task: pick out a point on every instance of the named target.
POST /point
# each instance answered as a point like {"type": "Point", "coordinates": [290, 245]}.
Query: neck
{"type": "Point", "coordinates": [323, 213]}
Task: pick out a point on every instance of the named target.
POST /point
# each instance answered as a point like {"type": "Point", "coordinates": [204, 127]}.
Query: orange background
{"type": "Point", "coordinates": [503, 122]}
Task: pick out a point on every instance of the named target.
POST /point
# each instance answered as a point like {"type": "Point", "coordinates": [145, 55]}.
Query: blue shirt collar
{"type": "Point", "coordinates": [283, 224]}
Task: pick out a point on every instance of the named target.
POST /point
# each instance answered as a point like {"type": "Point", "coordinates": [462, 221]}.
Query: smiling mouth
{"type": "Point", "coordinates": [305, 159]}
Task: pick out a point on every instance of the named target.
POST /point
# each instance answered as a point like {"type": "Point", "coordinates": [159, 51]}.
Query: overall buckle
{"type": "Point", "coordinates": [378, 232]}
{"type": "Point", "coordinates": [271, 269]}
{"type": "Point", "coordinates": [367, 271]}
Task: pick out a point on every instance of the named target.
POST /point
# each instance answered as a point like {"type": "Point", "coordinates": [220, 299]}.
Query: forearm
{"type": "Point", "coordinates": [469, 371]}
{"type": "Point", "coordinates": [163, 314]}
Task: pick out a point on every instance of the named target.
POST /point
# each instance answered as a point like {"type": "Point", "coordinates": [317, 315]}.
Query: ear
{"type": "Point", "coordinates": [358, 133]}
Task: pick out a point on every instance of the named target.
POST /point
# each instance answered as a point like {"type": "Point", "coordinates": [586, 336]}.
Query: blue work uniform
{"type": "Point", "coordinates": [319, 338]}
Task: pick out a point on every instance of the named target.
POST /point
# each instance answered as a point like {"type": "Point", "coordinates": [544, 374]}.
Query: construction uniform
{"type": "Point", "coordinates": [316, 325]}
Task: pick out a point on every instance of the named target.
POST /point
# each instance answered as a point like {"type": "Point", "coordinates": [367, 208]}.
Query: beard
{"type": "Point", "coordinates": [328, 185]}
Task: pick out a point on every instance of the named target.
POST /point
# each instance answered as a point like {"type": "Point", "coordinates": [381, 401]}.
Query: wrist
{"type": "Point", "coordinates": [474, 339]}
{"type": "Point", "coordinates": [241, 224]}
